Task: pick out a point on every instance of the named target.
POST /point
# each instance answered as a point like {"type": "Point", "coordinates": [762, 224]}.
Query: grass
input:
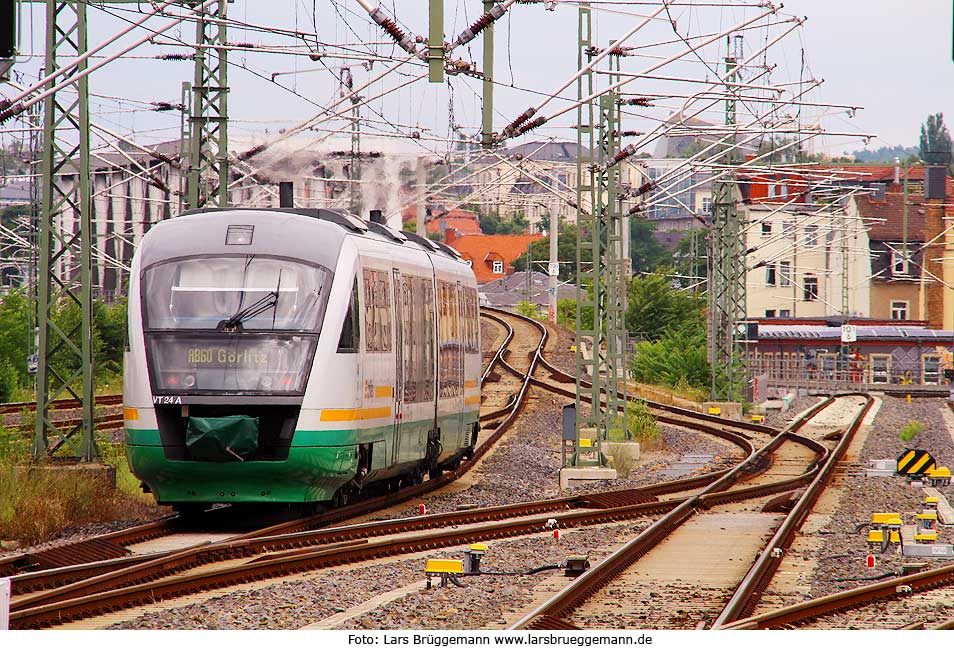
{"type": "Point", "coordinates": [641, 426]}
{"type": "Point", "coordinates": [625, 458]}
{"type": "Point", "coordinates": [911, 430]}
{"type": "Point", "coordinates": [40, 501]}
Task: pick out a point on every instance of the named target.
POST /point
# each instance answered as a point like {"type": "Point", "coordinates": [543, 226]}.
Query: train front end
{"type": "Point", "coordinates": [225, 314]}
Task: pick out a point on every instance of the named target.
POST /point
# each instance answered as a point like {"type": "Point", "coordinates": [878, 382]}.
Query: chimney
{"type": "Point", "coordinates": [286, 194]}
{"type": "Point", "coordinates": [450, 234]}
{"type": "Point", "coordinates": [377, 217]}
{"type": "Point", "coordinates": [897, 171]}
{"type": "Point", "coordinates": [935, 180]}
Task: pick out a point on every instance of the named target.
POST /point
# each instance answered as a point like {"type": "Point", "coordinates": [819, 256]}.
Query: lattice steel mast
{"type": "Point", "coordinates": [587, 246]}
{"type": "Point", "coordinates": [208, 142]}
{"type": "Point", "coordinates": [727, 261]}
{"type": "Point", "coordinates": [64, 301]}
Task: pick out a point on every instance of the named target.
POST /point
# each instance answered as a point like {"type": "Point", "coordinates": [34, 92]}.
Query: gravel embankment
{"type": "Point", "coordinates": [844, 550]}
{"type": "Point", "coordinates": [480, 603]}
{"type": "Point", "coordinates": [522, 467]}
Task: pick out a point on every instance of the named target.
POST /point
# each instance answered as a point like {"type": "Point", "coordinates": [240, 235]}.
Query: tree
{"type": "Point", "coordinates": [645, 251]}
{"type": "Point", "coordinates": [689, 260]}
{"type": "Point", "coordinates": [678, 357]}
{"type": "Point", "coordinates": [566, 252]}
{"type": "Point", "coordinates": [935, 143]}
{"type": "Point", "coordinates": [654, 306]}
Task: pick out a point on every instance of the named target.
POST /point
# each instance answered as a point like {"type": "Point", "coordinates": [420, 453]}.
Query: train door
{"type": "Point", "coordinates": [461, 335]}
{"type": "Point", "coordinates": [398, 363]}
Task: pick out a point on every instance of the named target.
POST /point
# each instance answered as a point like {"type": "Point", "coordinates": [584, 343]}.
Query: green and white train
{"type": "Point", "coordinates": [296, 356]}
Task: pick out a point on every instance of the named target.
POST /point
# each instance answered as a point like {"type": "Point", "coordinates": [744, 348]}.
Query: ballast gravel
{"type": "Point", "coordinates": [523, 467]}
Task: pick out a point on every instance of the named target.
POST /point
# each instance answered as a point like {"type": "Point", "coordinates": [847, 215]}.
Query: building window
{"type": "Point", "coordinates": [811, 236]}
{"type": "Point", "coordinates": [899, 261]}
{"type": "Point", "coordinates": [770, 314]}
{"type": "Point", "coordinates": [706, 204]}
{"type": "Point", "coordinates": [785, 313]}
{"type": "Point", "coordinates": [766, 229]}
{"type": "Point", "coordinates": [931, 369]}
{"type": "Point", "coordinates": [899, 310]}
{"type": "Point", "coordinates": [770, 274]}
{"type": "Point", "coordinates": [787, 228]}
{"type": "Point", "coordinates": [770, 189]}
{"type": "Point", "coordinates": [810, 289]}
{"type": "Point", "coordinates": [498, 266]}
{"type": "Point", "coordinates": [880, 369]}
{"type": "Point", "coordinates": [785, 273]}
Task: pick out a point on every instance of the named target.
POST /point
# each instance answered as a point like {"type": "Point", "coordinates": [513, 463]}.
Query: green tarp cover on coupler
{"type": "Point", "coordinates": [226, 438]}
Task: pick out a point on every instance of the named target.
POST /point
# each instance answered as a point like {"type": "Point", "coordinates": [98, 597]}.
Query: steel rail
{"type": "Point", "coordinates": [167, 561]}
{"type": "Point", "coordinates": [66, 403]}
{"type": "Point", "coordinates": [888, 590]}
{"type": "Point", "coordinates": [105, 550]}
{"type": "Point", "coordinates": [757, 579]}
{"type": "Point", "coordinates": [334, 550]}
{"type": "Point", "coordinates": [109, 546]}
{"type": "Point", "coordinates": [567, 600]}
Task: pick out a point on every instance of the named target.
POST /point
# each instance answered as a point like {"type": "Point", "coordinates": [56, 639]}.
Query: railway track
{"type": "Point", "coordinates": [88, 589]}
{"type": "Point", "coordinates": [737, 485]}
{"type": "Point", "coordinates": [17, 407]}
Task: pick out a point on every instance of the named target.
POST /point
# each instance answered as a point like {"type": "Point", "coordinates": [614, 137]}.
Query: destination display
{"type": "Point", "coordinates": [229, 363]}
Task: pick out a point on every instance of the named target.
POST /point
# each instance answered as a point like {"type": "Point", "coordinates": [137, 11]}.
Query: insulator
{"type": "Point", "coordinates": [637, 101]}
{"type": "Point", "coordinates": [632, 134]}
{"type": "Point", "coordinates": [166, 106]}
{"type": "Point", "coordinates": [531, 125]}
{"type": "Point", "coordinates": [645, 187]}
{"type": "Point", "coordinates": [511, 128]}
{"type": "Point", "coordinates": [8, 109]}
{"type": "Point", "coordinates": [174, 56]}
{"type": "Point", "coordinates": [623, 153]}
{"type": "Point", "coordinates": [393, 31]}
{"type": "Point", "coordinates": [257, 149]}
{"type": "Point", "coordinates": [244, 45]}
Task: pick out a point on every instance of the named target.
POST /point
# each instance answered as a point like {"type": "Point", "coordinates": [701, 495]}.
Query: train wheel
{"type": "Point", "coordinates": [418, 476]}
{"type": "Point", "coordinates": [340, 499]}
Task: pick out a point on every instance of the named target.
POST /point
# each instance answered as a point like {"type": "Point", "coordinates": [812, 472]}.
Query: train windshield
{"type": "Point", "coordinates": [235, 294]}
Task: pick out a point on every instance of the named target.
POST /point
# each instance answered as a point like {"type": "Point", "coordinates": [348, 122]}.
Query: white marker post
{"type": "Point", "coordinates": [5, 604]}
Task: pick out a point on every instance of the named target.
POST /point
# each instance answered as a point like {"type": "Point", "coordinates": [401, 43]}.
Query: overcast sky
{"type": "Point", "coordinates": [892, 58]}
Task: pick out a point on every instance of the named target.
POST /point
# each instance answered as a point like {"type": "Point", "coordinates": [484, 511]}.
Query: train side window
{"type": "Point", "coordinates": [350, 339]}
{"type": "Point", "coordinates": [377, 311]}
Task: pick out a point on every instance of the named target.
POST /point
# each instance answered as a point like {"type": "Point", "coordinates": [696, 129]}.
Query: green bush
{"type": "Point", "coordinates": [679, 357]}
{"type": "Point", "coordinates": [911, 430]}
{"type": "Point", "coordinates": [640, 425]}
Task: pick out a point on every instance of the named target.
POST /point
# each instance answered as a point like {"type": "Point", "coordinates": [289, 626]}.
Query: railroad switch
{"type": "Point", "coordinates": [446, 568]}
{"type": "Point", "coordinates": [472, 558]}
{"type": "Point", "coordinates": [575, 565]}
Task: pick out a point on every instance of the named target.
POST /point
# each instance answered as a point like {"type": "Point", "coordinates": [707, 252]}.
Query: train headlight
{"type": "Point", "coordinates": [188, 381]}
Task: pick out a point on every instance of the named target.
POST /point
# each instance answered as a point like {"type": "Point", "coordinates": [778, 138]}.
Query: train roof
{"type": "Point", "coordinates": [350, 223]}
{"type": "Point", "coordinates": [295, 238]}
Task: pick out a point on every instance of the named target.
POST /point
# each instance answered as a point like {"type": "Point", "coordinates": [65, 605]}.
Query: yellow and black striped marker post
{"type": "Point", "coordinates": [914, 463]}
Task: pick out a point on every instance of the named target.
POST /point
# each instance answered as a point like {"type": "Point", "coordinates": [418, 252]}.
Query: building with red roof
{"type": "Point", "coordinates": [491, 256]}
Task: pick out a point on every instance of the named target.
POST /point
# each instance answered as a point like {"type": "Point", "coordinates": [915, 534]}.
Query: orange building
{"type": "Point", "coordinates": [491, 256]}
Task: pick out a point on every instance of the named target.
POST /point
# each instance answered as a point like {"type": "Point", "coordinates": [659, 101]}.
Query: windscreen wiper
{"type": "Point", "coordinates": [267, 302]}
